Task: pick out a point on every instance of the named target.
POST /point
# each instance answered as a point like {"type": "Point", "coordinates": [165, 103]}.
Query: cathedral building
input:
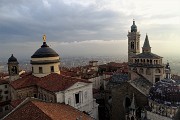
{"type": "Point", "coordinates": [46, 83]}
{"type": "Point", "coordinates": [149, 93]}
{"type": "Point", "coordinates": [146, 64]}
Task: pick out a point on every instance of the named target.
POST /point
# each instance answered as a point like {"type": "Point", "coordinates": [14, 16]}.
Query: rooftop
{"type": "Point", "coordinates": [33, 109]}
{"type": "Point", "coordinates": [52, 82]}
{"type": "Point", "coordinates": [147, 55]}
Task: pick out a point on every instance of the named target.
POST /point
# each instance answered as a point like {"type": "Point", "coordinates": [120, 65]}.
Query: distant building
{"type": "Point", "coordinates": [5, 97]}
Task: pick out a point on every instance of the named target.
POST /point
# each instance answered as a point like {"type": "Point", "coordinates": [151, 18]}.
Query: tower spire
{"type": "Point", "coordinates": [168, 71]}
{"type": "Point", "coordinates": [146, 47]}
{"type": "Point", "coordinates": [134, 27]}
{"type": "Point", "coordinates": [133, 103]}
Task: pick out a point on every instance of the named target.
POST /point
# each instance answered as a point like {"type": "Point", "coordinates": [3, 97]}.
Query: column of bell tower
{"type": "Point", "coordinates": [133, 42]}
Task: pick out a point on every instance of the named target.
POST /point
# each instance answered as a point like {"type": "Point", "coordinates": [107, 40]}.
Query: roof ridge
{"type": "Point", "coordinates": [23, 103]}
{"type": "Point", "coordinates": [38, 100]}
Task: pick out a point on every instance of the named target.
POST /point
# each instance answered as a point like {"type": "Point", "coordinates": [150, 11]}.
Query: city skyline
{"type": "Point", "coordinates": [87, 27]}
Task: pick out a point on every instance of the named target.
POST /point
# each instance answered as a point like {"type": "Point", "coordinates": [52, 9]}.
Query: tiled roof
{"type": "Point", "coordinates": [15, 103]}
{"type": "Point", "coordinates": [52, 82]}
{"type": "Point", "coordinates": [147, 55]}
{"type": "Point", "coordinates": [114, 64]}
{"type": "Point", "coordinates": [32, 109]}
{"type": "Point", "coordinates": [69, 73]}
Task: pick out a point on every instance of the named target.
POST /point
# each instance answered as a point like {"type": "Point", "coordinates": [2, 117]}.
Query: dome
{"type": "Point", "coordinates": [133, 27]}
{"type": "Point", "coordinates": [166, 92]}
{"type": "Point", "coordinates": [44, 51]}
{"type": "Point", "coordinates": [12, 59]}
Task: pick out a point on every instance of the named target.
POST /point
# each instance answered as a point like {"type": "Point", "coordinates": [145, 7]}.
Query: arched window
{"type": "Point", "coordinates": [127, 102]}
{"type": "Point", "coordinates": [14, 70]}
{"type": "Point", "coordinates": [157, 71]}
{"type": "Point", "coordinates": [148, 71]}
{"type": "Point", "coordinates": [132, 45]}
{"type": "Point", "coordinates": [150, 61]}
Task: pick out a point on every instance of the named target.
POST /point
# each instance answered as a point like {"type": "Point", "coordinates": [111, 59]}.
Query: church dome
{"type": "Point", "coordinates": [44, 51]}
{"type": "Point", "coordinates": [134, 27]}
{"type": "Point", "coordinates": [166, 92]}
{"type": "Point", "coordinates": [12, 59]}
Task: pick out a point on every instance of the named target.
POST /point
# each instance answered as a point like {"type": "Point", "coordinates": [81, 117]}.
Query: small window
{"type": "Point", "coordinates": [51, 99]}
{"type": "Point", "coordinates": [5, 86]}
{"type": "Point", "coordinates": [52, 68]}
{"type": "Point", "coordinates": [40, 70]}
{"type": "Point", "coordinates": [35, 96]}
{"type": "Point", "coordinates": [14, 70]}
{"type": "Point", "coordinates": [7, 108]}
{"type": "Point", "coordinates": [6, 92]}
{"type": "Point", "coordinates": [77, 98]}
{"type": "Point", "coordinates": [32, 69]}
{"type": "Point", "coordinates": [45, 97]}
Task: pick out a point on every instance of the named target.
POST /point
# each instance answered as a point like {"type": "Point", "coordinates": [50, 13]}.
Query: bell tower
{"type": "Point", "coordinates": [133, 42]}
{"type": "Point", "coordinates": [13, 68]}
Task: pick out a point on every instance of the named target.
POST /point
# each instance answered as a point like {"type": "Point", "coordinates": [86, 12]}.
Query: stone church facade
{"type": "Point", "coordinates": [145, 68]}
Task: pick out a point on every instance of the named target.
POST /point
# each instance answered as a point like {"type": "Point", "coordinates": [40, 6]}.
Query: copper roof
{"type": "Point", "coordinates": [52, 82]}
{"type": "Point", "coordinates": [32, 109]}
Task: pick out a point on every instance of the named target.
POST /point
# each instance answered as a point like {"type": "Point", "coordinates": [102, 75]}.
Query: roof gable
{"type": "Point", "coordinates": [77, 85]}
{"type": "Point", "coordinates": [34, 109]}
{"type": "Point", "coordinates": [28, 111]}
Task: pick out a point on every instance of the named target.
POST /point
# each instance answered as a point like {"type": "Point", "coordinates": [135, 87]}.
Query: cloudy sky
{"type": "Point", "coordinates": [87, 27]}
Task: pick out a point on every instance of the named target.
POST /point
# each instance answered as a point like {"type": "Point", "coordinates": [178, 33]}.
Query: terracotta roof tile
{"type": "Point", "coordinates": [15, 103]}
{"type": "Point", "coordinates": [38, 110]}
{"type": "Point", "coordinates": [52, 82]}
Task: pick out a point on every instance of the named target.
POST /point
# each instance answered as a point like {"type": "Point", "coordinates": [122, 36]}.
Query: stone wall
{"type": "Point", "coordinates": [119, 95]}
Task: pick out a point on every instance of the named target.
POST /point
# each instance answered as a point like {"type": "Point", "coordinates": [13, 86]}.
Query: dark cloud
{"type": "Point", "coordinates": [28, 20]}
{"type": "Point", "coordinates": [23, 22]}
